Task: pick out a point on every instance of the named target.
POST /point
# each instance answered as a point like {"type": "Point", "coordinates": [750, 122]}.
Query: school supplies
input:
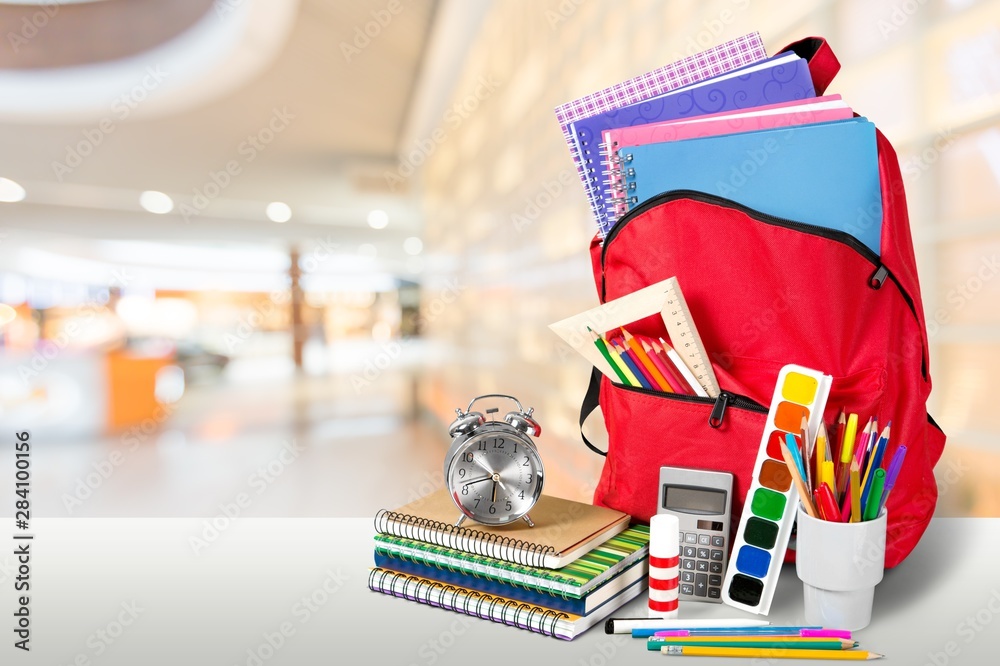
{"type": "Point", "coordinates": [780, 642]}
{"type": "Point", "coordinates": [664, 299]}
{"type": "Point", "coordinates": [689, 379]}
{"type": "Point", "coordinates": [846, 454]}
{"type": "Point", "coordinates": [874, 499]}
{"type": "Point", "coordinates": [766, 523]}
{"type": "Point", "coordinates": [573, 581]}
{"type": "Point", "coordinates": [602, 346]}
{"type": "Point", "coordinates": [892, 474]}
{"type": "Point", "coordinates": [717, 60]}
{"type": "Point", "coordinates": [700, 500]}
{"type": "Point", "coordinates": [773, 171]}
{"type": "Point", "coordinates": [564, 530]}
{"type": "Point", "coordinates": [664, 566]}
{"type": "Point", "coordinates": [789, 453]}
{"type": "Point", "coordinates": [814, 632]}
{"type": "Point", "coordinates": [629, 625]}
{"type": "Point", "coordinates": [651, 370]}
{"type": "Point", "coordinates": [666, 368]}
{"type": "Point", "coordinates": [495, 608]}
{"type": "Point", "coordinates": [767, 653]}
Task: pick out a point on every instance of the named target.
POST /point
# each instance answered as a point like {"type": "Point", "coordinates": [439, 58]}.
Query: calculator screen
{"type": "Point", "coordinates": [694, 500]}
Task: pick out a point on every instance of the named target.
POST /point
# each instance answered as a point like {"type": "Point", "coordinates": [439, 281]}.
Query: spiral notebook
{"type": "Point", "coordinates": [574, 581]}
{"type": "Point", "coordinates": [538, 619]}
{"type": "Point", "coordinates": [564, 530]}
{"type": "Point", "coordinates": [784, 78]}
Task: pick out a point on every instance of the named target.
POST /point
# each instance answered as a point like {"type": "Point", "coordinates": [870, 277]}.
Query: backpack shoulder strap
{"type": "Point", "coordinates": [823, 63]}
{"type": "Point", "coordinates": [591, 401]}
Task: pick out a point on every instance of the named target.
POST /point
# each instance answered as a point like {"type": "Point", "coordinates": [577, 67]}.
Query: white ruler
{"type": "Point", "coordinates": [685, 339]}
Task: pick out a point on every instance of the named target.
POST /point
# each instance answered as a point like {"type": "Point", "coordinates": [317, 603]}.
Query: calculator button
{"type": "Point", "coordinates": [689, 551]}
{"type": "Point", "coordinates": [703, 553]}
{"type": "Point", "coordinates": [701, 565]}
{"type": "Point", "coordinates": [701, 586]}
{"type": "Point", "coordinates": [714, 593]}
{"type": "Point", "coordinates": [718, 541]}
{"type": "Point", "coordinates": [690, 537]}
{"type": "Point", "coordinates": [688, 590]}
{"type": "Point", "coordinates": [704, 540]}
{"type": "Point", "coordinates": [717, 555]}
{"type": "Point", "coordinates": [687, 576]}
{"type": "Point", "coordinates": [688, 564]}
{"type": "Point", "coordinates": [715, 580]}
{"type": "Point", "coordinates": [715, 567]}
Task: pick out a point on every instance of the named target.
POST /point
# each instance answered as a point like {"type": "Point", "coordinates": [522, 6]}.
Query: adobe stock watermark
{"type": "Point", "coordinates": [248, 149]}
{"type": "Point", "coordinates": [562, 12]}
{"type": "Point", "coordinates": [101, 640]}
{"type": "Point", "coordinates": [251, 323]}
{"type": "Point", "coordinates": [898, 16]}
{"type": "Point", "coordinates": [364, 35]}
{"type": "Point", "coordinates": [84, 317]}
{"type": "Point", "coordinates": [434, 648]}
{"type": "Point", "coordinates": [259, 481]}
{"type": "Point", "coordinates": [33, 24]}
{"type": "Point", "coordinates": [392, 350]}
{"type": "Point", "coordinates": [710, 30]}
{"type": "Point", "coordinates": [917, 165]}
{"type": "Point", "coordinates": [301, 611]}
{"type": "Point", "coordinates": [453, 118]}
{"type": "Point", "coordinates": [536, 204]}
{"type": "Point", "coordinates": [968, 629]}
{"type": "Point", "coordinates": [104, 469]}
{"type": "Point", "coordinates": [121, 108]}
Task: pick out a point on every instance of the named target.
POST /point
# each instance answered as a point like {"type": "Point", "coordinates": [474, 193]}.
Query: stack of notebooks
{"type": "Point", "coordinates": [730, 123]}
{"type": "Point", "coordinates": [568, 572]}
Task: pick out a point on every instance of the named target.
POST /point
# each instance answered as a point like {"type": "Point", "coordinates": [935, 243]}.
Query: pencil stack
{"type": "Point", "coordinates": [766, 642]}
{"type": "Point", "coordinates": [646, 362]}
{"type": "Point", "coordinates": [846, 478]}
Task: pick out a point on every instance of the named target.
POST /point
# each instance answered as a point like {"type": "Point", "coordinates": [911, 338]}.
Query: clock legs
{"type": "Point", "coordinates": [461, 519]}
{"type": "Point", "coordinates": [527, 519]}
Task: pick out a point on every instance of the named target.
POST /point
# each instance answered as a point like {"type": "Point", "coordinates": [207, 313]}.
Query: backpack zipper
{"type": "Point", "coordinates": [875, 280]}
{"type": "Point", "coordinates": [720, 404]}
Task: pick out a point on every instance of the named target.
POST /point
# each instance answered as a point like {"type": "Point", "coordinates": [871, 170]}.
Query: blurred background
{"type": "Point", "coordinates": [266, 247]}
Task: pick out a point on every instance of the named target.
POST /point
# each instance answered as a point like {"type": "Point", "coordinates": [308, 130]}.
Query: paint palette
{"type": "Point", "coordinates": [769, 511]}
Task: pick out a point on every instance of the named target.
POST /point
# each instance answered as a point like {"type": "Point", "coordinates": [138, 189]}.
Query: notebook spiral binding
{"type": "Point", "coordinates": [548, 575]}
{"type": "Point", "coordinates": [469, 602]}
{"type": "Point", "coordinates": [618, 173]}
{"type": "Point", "coordinates": [462, 538]}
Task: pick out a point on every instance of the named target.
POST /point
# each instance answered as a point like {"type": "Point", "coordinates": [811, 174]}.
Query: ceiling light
{"type": "Point", "coordinates": [378, 219]}
{"type": "Point", "coordinates": [11, 192]}
{"type": "Point", "coordinates": [156, 202]}
{"type": "Point", "coordinates": [278, 211]}
{"type": "Point", "coordinates": [413, 246]}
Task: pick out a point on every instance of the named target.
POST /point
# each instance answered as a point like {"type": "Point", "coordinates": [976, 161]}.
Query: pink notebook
{"type": "Point", "coordinates": [786, 114]}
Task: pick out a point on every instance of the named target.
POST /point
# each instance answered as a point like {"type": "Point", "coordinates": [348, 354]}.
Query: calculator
{"type": "Point", "coordinates": [701, 500]}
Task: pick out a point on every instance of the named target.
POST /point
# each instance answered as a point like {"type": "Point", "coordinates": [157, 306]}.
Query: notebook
{"type": "Point", "coordinates": [825, 174]}
{"type": "Point", "coordinates": [819, 109]}
{"type": "Point", "coordinates": [497, 609]}
{"type": "Point", "coordinates": [784, 78]}
{"type": "Point", "coordinates": [720, 59]}
{"type": "Point", "coordinates": [573, 606]}
{"type": "Point", "coordinates": [573, 581]}
{"type": "Point", "coordinates": [564, 530]}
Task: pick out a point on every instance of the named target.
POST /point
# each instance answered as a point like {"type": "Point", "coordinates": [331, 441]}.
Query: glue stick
{"type": "Point", "coordinates": [664, 567]}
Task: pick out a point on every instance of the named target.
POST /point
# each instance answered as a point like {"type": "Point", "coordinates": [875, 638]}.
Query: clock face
{"type": "Point", "coordinates": [495, 477]}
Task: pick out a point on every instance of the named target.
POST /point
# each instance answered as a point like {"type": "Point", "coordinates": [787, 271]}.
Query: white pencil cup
{"type": "Point", "coordinates": [839, 565]}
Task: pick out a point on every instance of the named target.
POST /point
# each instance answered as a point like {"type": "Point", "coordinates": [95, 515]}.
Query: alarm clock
{"type": "Point", "coordinates": [492, 469]}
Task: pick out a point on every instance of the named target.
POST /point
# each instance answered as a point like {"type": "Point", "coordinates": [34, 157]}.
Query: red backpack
{"type": "Point", "coordinates": [754, 290]}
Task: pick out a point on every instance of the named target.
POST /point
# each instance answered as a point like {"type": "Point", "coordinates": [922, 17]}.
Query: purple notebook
{"type": "Point", "coordinates": [783, 81]}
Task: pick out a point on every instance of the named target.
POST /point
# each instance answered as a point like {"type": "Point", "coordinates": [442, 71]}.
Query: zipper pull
{"type": "Point", "coordinates": [878, 277]}
{"type": "Point", "coordinates": [719, 410]}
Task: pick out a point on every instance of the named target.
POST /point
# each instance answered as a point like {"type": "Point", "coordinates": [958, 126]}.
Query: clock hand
{"type": "Point", "coordinates": [485, 478]}
{"type": "Point", "coordinates": [494, 500]}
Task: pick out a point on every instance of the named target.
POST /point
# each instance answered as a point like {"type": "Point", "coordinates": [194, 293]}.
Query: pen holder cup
{"type": "Point", "coordinates": [839, 565]}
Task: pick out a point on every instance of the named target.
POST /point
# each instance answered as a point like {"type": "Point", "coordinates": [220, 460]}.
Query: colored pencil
{"type": "Point", "coordinates": [793, 469]}
{"type": "Point", "coordinates": [876, 462]}
{"type": "Point", "coordinates": [642, 627]}
{"type": "Point", "coordinates": [633, 364]}
{"type": "Point", "coordinates": [684, 371]}
{"type": "Point", "coordinates": [807, 449]}
{"type": "Point", "coordinates": [602, 346]}
{"type": "Point", "coordinates": [778, 642]}
{"type": "Point", "coordinates": [654, 374]}
{"type": "Point", "coordinates": [875, 496]}
{"type": "Point", "coordinates": [633, 378]}
{"type": "Point", "coordinates": [855, 492]}
{"type": "Point", "coordinates": [846, 455]}
{"type": "Point", "coordinates": [862, 443]}
{"type": "Point", "coordinates": [890, 476]}
{"type": "Point", "coordinates": [820, 453]}
{"type": "Point", "coordinates": [808, 632]}
{"type": "Point", "coordinates": [767, 653]}
{"type": "Point", "coordinates": [838, 439]}
{"type": "Point", "coordinates": [666, 366]}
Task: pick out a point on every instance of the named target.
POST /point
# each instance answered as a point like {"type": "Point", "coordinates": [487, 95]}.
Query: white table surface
{"type": "Point", "coordinates": [941, 606]}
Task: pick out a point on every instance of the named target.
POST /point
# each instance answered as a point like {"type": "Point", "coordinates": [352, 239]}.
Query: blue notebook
{"type": "Point", "coordinates": [785, 78]}
{"type": "Point", "coordinates": [824, 174]}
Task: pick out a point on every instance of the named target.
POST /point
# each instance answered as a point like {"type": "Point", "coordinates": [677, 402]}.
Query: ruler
{"type": "Point", "coordinates": [685, 339]}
